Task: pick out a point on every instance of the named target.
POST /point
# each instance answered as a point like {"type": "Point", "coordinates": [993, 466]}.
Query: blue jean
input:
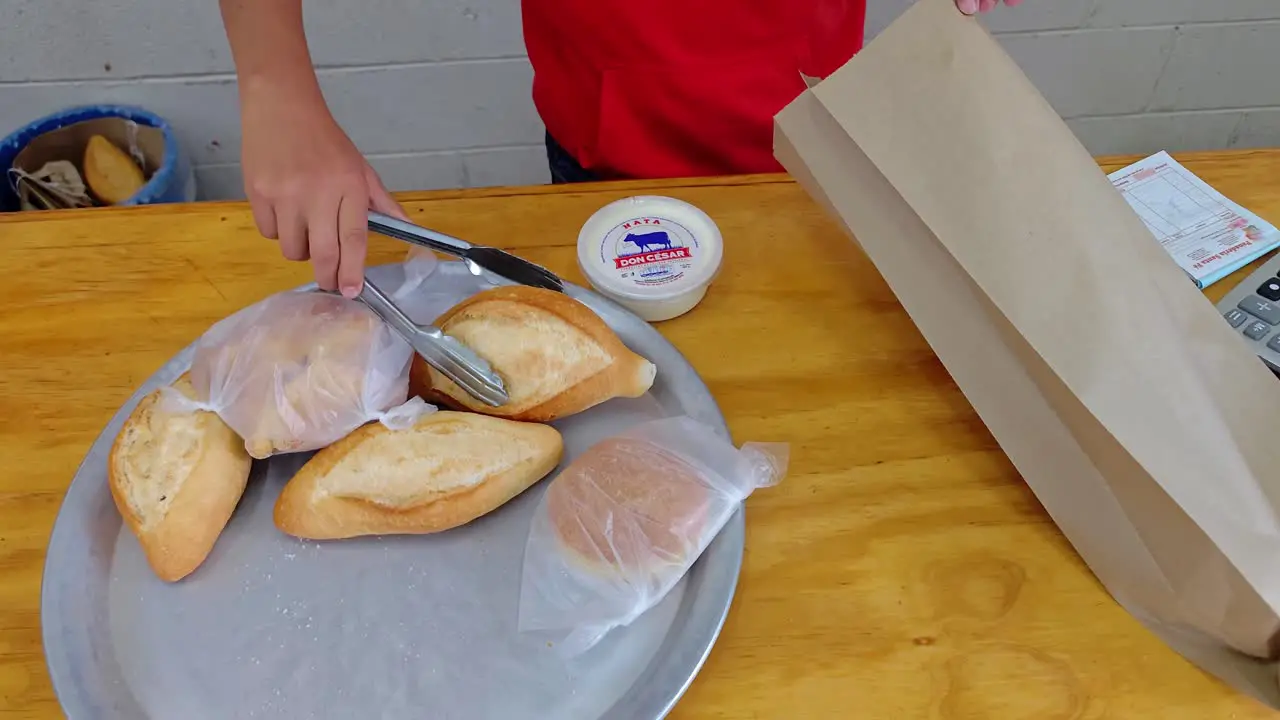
{"type": "Point", "coordinates": [564, 168]}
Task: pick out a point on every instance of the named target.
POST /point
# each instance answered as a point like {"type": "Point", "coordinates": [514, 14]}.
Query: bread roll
{"type": "Point", "coordinates": [629, 509]}
{"type": "Point", "coordinates": [310, 386]}
{"type": "Point", "coordinates": [555, 357]}
{"type": "Point", "coordinates": [300, 375]}
{"type": "Point", "coordinates": [447, 470]}
{"type": "Point", "coordinates": [110, 173]}
{"type": "Point", "coordinates": [176, 478]}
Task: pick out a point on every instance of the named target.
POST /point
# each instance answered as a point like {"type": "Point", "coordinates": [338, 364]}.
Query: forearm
{"type": "Point", "coordinates": [269, 47]}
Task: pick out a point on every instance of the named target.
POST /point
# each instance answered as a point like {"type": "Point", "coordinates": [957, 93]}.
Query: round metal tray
{"type": "Point", "coordinates": [389, 627]}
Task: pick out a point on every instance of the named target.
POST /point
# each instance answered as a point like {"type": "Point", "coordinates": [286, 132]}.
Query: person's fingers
{"type": "Point", "coordinates": [380, 199]}
{"type": "Point", "coordinates": [968, 7]}
{"type": "Point", "coordinates": [987, 5]}
{"type": "Point", "coordinates": [353, 231]}
{"type": "Point", "coordinates": [1013, 3]}
{"type": "Point", "coordinates": [264, 216]}
{"type": "Point", "coordinates": [322, 241]}
{"type": "Point", "coordinates": [292, 226]}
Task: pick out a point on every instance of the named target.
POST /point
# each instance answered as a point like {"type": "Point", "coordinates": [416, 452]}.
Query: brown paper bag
{"type": "Point", "coordinates": [1142, 423]}
{"type": "Point", "coordinates": [143, 143]}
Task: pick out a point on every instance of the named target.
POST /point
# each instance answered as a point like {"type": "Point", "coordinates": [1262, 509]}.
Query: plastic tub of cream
{"type": "Point", "coordinates": [654, 255]}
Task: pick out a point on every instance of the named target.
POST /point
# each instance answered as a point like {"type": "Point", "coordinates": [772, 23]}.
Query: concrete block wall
{"type": "Point", "coordinates": [436, 92]}
{"type": "Point", "coordinates": [1138, 76]}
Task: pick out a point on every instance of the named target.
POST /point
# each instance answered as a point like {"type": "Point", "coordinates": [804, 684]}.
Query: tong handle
{"type": "Point", "coordinates": [391, 314]}
{"type": "Point", "coordinates": [478, 259]}
{"type": "Point", "coordinates": [410, 233]}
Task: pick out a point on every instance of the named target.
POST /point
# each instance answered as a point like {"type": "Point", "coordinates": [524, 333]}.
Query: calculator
{"type": "Point", "coordinates": [1253, 309]}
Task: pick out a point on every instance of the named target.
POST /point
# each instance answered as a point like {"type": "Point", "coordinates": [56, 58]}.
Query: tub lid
{"type": "Point", "coordinates": [650, 247]}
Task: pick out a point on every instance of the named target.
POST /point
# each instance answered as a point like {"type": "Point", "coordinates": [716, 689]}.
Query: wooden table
{"type": "Point", "coordinates": [902, 571]}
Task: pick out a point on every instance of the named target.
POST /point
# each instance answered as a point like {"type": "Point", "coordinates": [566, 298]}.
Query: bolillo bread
{"type": "Point", "coordinates": [445, 471]}
{"type": "Point", "coordinates": [109, 172]}
{"type": "Point", "coordinates": [554, 355]}
{"type": "Point", "coordinates": [308, 390]}
{"type": "Point", "coordinates": [627, 508]}
{"type": "Point", "coordinates": [304, 368]}
{"type": "Point", "coordinates": [176, 479]}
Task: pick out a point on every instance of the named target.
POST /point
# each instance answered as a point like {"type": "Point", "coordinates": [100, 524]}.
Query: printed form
{"type": "Point", "coordinates": [1205, 233]}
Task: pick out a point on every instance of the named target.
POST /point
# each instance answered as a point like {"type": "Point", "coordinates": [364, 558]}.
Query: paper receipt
{"type": "Point", "coordinates": [1208, 235]}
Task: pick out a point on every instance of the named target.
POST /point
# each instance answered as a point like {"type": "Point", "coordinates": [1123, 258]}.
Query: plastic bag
{"type": "Point", "coordinates": [623, 523]}
{"type": "Point", "coordinates": [432, 286]}
{"type": "Point", "coordinates": [300, 370]}
{"type": "Point", "coordinates": [419, 265]}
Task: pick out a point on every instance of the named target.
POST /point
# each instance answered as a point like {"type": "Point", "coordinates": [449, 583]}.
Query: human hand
{"type": "Point", "coordinates": [970, 7]}
{"type": "Point", "coordinates": [310, 188]}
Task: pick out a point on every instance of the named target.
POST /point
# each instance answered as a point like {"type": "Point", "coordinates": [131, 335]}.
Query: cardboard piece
{"type": "Point", "coordinates": [1138, 418]}
{"type": "Point", "coordinates": [143, 143]}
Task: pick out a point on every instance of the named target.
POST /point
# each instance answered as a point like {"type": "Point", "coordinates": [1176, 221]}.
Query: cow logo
{"type": "Point", "coordinates": [650, 250]}
{"type": "Point", "coordinates": [648, 241]}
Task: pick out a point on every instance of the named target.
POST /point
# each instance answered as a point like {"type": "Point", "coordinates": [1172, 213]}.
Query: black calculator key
{"type": "Point", "coordinates": [1235, 317]}
{"type": "Point", "coordinates": [1256, 330]}
{"type": "Point", "coordinates": [1270, 290]}
{"type": "Point", "coordinates": [1274, 343]}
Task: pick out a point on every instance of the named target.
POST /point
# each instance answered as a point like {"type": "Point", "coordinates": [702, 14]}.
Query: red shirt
{"type": "Point", "coordinates": [677, 88]}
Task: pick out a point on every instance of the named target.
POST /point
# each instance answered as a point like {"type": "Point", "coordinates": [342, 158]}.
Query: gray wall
{"type": "Point", "coordinates": [1130, 76]}
{"type": "Point", "coordinates": [1137, 76]}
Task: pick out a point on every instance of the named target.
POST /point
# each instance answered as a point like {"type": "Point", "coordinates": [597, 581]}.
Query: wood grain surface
{"type": "Point", "coordinates": [902, 571]}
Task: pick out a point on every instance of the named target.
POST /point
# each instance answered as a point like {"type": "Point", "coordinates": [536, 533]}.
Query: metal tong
{"type": "Point", "coordinates": [477, 257]}
{"type": "Point", "coordinates": [442, 352]}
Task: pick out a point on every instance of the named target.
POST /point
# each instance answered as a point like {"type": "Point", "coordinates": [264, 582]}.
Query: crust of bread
{"type": "Point", "coordinates": [112, 176]}
{"type": "Point", "coordinates": [627, 508]}
{"type": "Point", "coordinates": [306, 509]}
{"type": "Point", "coordinates": [177, 539]}
{"type": "Point", "coordinates": [624, 374]}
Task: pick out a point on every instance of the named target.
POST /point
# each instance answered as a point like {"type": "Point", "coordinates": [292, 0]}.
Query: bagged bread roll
{"type": "Point", "coordinates": [623, 523]}
{"type": "Point", "coordinates": [176, 478]}
{"type": "Point", "coordinates": [555, 357]}
{"type": "Point", "coordinates": [112, 176]}
{"type": "Point", "coordinates": [300, 370]}
{"type": "Point", "coordinates": [444, 471]}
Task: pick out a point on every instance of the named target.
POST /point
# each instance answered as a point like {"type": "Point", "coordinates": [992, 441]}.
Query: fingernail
{"type": "Point", "coordinates": [968, 7]}
{"type": "Point", "coordinates": [350, 292]}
